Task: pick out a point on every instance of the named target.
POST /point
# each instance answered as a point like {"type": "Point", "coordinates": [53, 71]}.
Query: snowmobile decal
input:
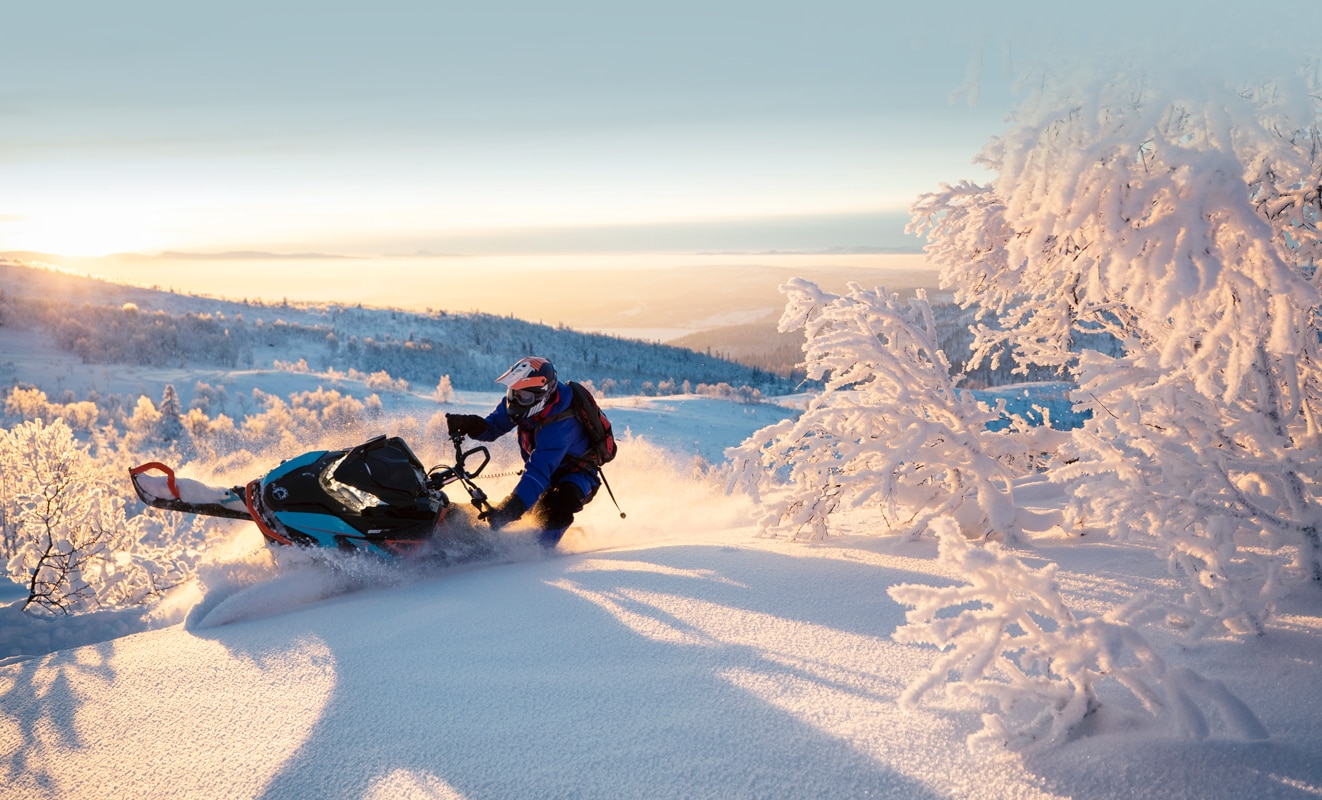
{"type": "Point", "coordinates": [325, 529]}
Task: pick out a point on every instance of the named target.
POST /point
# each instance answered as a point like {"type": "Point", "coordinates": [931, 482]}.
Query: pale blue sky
{"type": "Point", "coordinates": [380, 127]}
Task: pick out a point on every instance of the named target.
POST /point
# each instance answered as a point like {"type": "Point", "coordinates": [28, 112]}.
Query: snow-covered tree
{"type": "Point", "coordinates": [1179, 220]}
{"type": "Point", "coordinates": [1007, 636]}
{"type": "Point", "coordinates": [73, 547]}
{"type": "Point", "coordinates": [31, 403]}
{"type": "Point", "coordinates": [209, 399]}
{"type": "Point", "coordinates": [890, 426]}
{"type": "Point", "coordinates": [171, 425]}
{"type": "Point", "coordinates": [444, 390]}
{"type": "Point", "coordinates": [141, 426]}
{"type": "Point", "coordinates": [26, 403]}
{"type": "Point", "coordinates": [381, 381]}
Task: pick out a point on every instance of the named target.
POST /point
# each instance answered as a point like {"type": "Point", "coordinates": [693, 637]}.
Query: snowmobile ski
{"type": "Point", "coordinates": [169, 492]}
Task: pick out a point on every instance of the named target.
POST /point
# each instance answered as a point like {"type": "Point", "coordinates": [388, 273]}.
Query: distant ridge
{"type": "Point", "coordinates": [170, 255]}
{"type": "Point", "coordinates": [425, 254]}
{"type": "Point", "coordinates": [230, 255]}
{"type": "Point", "coordinates": [100, 322]}
{"type": "Point", "coordinates": [829, 251]}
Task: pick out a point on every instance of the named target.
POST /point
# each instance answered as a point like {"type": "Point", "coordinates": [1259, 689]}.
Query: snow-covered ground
{"type": "Point", "coordinates": [672, 653]}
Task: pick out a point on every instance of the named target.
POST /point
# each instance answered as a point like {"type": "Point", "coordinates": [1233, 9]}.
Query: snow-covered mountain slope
{"type": "Point", "coordinates": [101, 323]}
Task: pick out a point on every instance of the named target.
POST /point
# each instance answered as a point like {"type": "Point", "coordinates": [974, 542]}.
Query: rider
{"type": "Point", "coordinates": [556, 481]}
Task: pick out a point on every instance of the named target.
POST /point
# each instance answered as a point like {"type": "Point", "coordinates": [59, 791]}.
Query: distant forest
{"type": "Point", "coordinates": [471, 348]}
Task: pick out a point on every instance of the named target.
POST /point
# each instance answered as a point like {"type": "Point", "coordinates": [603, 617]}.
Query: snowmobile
{"type": "Point", "coordinates": [375, 498]}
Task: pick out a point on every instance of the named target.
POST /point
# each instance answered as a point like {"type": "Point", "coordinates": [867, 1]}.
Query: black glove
{"type": "Point", "coordinates": [465, 425]}
{"type": "Point", "coordinates": [505, 513]}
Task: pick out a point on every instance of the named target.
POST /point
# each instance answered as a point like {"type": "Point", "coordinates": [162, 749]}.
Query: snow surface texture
{"type": "Point", "coordinates": [670, 654]}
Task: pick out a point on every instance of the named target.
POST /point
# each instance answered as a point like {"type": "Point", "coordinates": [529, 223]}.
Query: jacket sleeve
{"type": "Point", "coordinates": [554, 442]}
{"type": "Point", "coordinates": [498, 424]}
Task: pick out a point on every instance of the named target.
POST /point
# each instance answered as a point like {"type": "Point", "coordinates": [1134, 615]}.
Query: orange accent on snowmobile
{"type": "Point", "coordinates": [407, 547]}
{"type": "Point", "coordinates": [403, 547]}
{"type": "Point", "coordinates": [169, 474]}
{"type": "Point", "coordinates": [252, 488]}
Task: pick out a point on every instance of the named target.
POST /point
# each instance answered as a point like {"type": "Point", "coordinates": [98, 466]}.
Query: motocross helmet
{"type": "Point", "coordinates": [530, 385]}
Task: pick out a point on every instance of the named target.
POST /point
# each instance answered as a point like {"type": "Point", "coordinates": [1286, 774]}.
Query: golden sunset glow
{"type": "Point", "coordinates": [96, 231]}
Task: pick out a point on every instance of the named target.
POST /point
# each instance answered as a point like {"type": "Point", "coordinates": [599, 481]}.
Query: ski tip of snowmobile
{"type": "Point", "coordinates": [172, 493]}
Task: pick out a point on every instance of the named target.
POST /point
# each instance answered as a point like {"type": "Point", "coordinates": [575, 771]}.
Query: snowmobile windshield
{"type": "Point", "coordinates": [385, 468]}
{"type": "Point", "coordinates": [351, 497]}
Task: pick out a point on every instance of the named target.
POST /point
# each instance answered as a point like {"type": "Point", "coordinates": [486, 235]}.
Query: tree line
{"type": "Point", "coordinates": [471, 348]}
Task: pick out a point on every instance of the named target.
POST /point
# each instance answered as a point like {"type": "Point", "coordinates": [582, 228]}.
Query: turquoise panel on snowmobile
{"type": "Point", "coordinates": [234, 502]}
{"type": "Point", "coordinates": [322, 527]}
{"type": "Point", "coordinates": [293, 464]}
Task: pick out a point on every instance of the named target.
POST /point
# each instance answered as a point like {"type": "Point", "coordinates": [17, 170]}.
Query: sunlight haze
{"type": "Point", "coordinates": [398, 127]}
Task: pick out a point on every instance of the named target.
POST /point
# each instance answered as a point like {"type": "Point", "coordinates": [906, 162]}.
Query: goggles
{"type": "Point", "coordinates": [526, 397]}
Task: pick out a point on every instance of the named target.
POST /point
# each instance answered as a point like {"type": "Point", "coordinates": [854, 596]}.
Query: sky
{"type": "Point", "coordinates": [396, 127]}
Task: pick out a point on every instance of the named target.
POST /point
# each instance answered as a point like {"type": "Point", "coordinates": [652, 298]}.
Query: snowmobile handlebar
{"type": "Point", "coordinates": [464, 475]}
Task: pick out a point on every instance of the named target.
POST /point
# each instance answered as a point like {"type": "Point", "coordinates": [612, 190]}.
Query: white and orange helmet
{"type": "Point", "coordinates": [529, 386]}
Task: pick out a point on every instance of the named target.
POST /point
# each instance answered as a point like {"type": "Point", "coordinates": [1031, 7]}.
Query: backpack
{"type": "Point", "coordinates": [601, 441]}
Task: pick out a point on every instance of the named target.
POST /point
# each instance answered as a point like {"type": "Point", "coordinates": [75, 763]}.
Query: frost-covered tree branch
{"type": "Point", "coordinates": [889, 428]}
{"type": "Point", "coordinates": [1010, 640]}
{"type": "Point", "coordinates": [1176, 223]}
{"type": "Point", "coordinates": [74, 547]}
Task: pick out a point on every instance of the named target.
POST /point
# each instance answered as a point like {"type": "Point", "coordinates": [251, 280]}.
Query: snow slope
{"type": "Point", "coordinates": [669, 654]}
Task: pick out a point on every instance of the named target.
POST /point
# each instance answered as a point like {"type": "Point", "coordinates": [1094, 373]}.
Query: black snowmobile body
{"type": "Point", "coordinates": [374, 498]}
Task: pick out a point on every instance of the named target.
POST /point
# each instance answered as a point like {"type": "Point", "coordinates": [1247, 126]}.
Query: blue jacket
{"type": "Point", "coordinates": [546, 448]}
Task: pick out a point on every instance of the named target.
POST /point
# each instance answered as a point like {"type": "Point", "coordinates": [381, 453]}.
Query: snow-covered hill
{"type": "Point", "coordinates": [99, 323]}
{"type": "Point", "coordinates": [671, 652]}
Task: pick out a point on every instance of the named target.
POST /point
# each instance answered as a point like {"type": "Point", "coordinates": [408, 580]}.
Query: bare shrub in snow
{"type": "Point", "coordinates": [1011, 641]}
{"type": "Point", "coordinates": [1181, 223]}
{"type": "Point", "coordinates": [890, 427]}
{"type": "Point", "coordinates": [741, 394]}
{"type": "Point", "coordinates": [300, 366]}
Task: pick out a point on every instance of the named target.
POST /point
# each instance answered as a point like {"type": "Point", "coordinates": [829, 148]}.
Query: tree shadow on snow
{"type": "Point", "coordinates": [581, 697]}
{"type": "Point", "coordinates": [40, 701]}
